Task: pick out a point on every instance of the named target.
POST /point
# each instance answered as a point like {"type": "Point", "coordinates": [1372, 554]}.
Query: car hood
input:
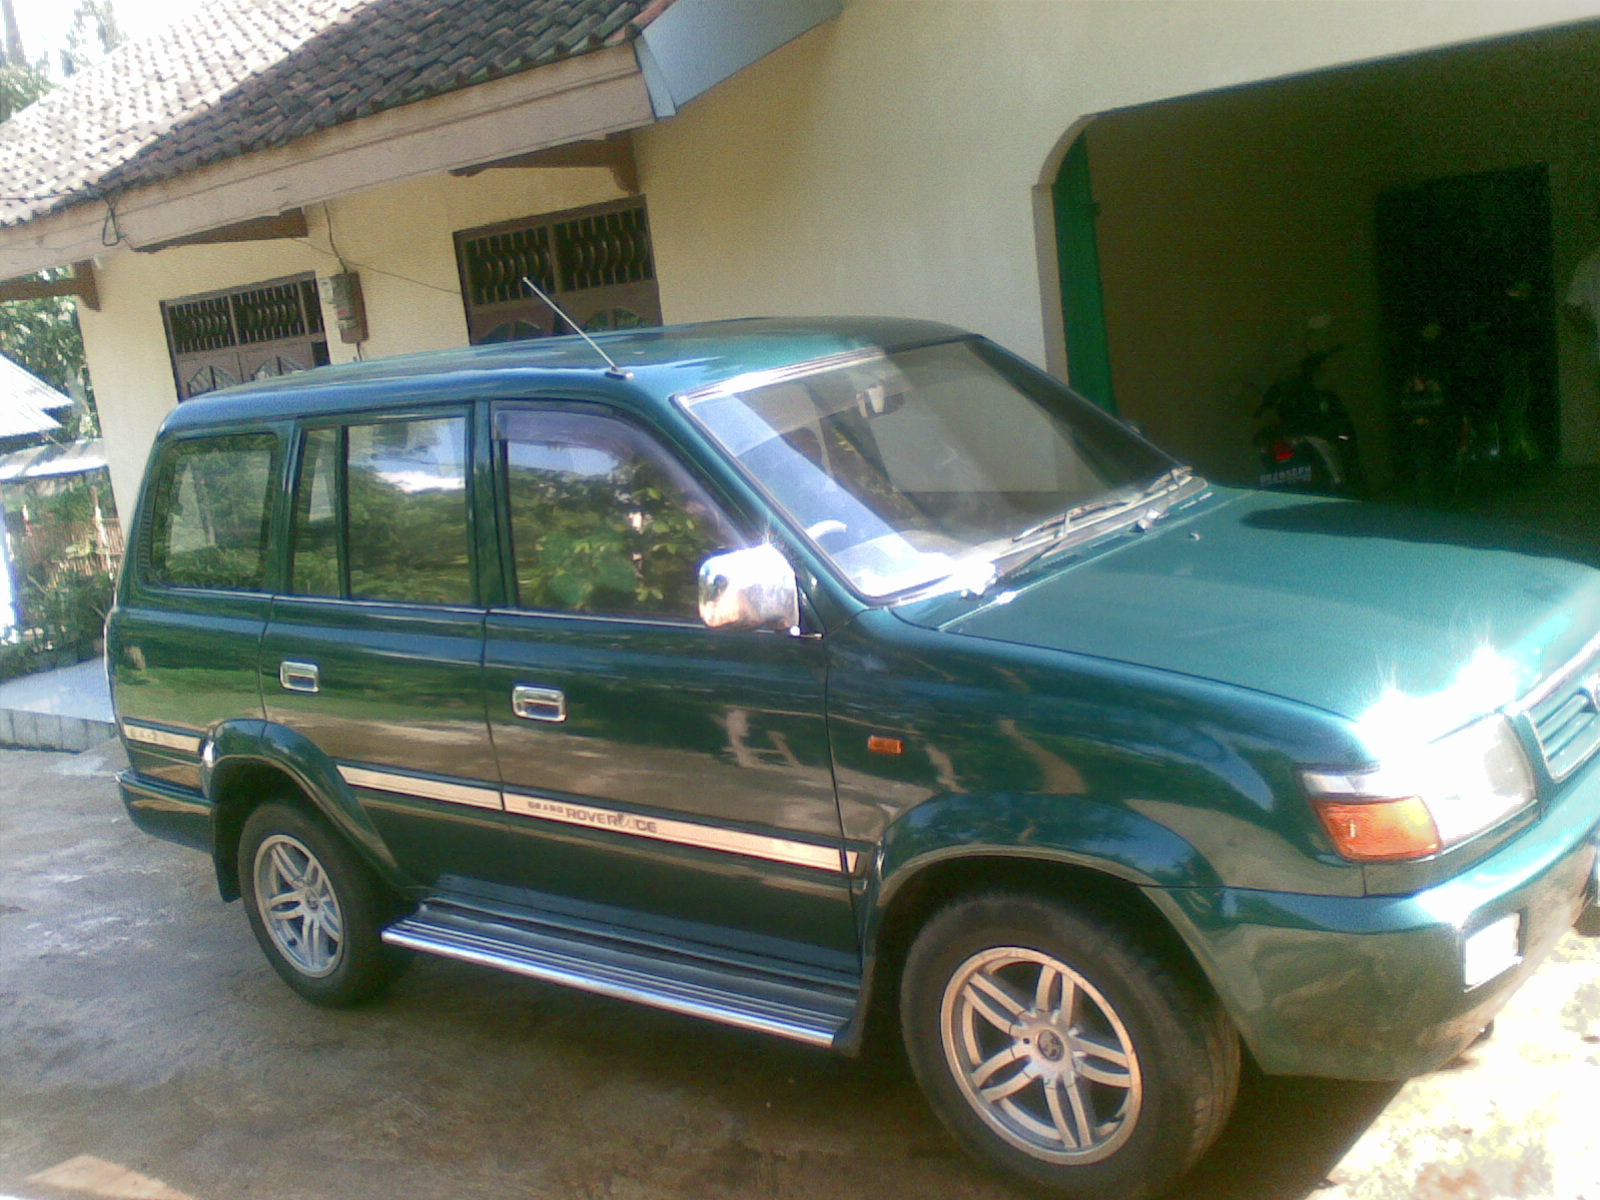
{"type": "Point", "coordinates": [1403, 621]}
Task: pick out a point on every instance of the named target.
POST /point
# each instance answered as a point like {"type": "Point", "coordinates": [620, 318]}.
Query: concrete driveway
{"type": "Point", "coordinates": [146, 1051]}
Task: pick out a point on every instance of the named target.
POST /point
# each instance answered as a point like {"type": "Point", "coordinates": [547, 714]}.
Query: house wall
{"type": "Point", "coordinates": [397, 238]}
{"type": "Point", "coordinates": [895, 160]}
{"type": "Point", "coordinates": [891, 160]}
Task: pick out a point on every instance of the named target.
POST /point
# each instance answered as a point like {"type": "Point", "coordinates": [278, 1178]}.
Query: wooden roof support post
{"type": "Point", "coordinates": [80, 284]}
{"type": "Point", "coordinates": [614, 152]}
{"type": "Point", "coordinates": [291, 223]}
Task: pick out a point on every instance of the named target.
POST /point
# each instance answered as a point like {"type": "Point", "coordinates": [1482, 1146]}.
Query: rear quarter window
{"type": "Point", "coordinates": [210, 523]}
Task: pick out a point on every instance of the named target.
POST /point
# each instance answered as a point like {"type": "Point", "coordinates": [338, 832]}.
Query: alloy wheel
{"type": "Point", "coordinates": [1040, 1055]}
{"type": "Point", "coordinates": [298, 905]}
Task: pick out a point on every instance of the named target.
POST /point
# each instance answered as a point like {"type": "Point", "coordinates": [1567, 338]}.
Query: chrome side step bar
{"type": "Point", "coordinates": [765, 1000]}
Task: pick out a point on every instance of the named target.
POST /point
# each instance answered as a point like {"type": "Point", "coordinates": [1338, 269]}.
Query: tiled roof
{"type": "Point", "coordinates": [244, 75]}
{"type": "Point", "coordinates": [26, 402]}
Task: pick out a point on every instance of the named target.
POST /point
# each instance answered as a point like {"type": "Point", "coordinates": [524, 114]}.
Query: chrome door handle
{"type": "Point", "coordinates": [539, 704]}
{"type": "Point", "coordinates": [298, 676]}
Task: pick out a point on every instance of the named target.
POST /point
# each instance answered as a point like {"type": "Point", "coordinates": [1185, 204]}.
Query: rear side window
{"type": "Point", "coordinates": [212, 513]}
{"type": "Point", "coordinates": [380, 513]}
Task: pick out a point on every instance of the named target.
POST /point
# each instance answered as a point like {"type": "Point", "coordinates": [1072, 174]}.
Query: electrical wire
{"type": "Point", "coordinates": [327, 221]}
{"type": "Point", "coordinates": [346, 263]}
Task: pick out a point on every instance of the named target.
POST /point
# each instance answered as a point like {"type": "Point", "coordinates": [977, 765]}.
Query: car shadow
{"type": "Point", "coordinates": [1393, 523]}
{"type": "Point", "coordinates": [769, 1097]}
{"type": "Point", "coordinates": [1285, 1137]}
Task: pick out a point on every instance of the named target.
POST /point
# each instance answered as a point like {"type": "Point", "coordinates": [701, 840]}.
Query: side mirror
{"type": "Point", "coordinates": [749, 589]}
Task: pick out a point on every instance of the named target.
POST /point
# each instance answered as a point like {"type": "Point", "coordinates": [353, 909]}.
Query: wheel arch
{"type": "Point", "coordinates": [248, 763]}
{"type": "Point", "coordinates": [1097, 888]}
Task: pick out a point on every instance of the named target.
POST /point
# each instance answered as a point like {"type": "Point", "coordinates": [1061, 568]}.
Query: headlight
{"type": "Point", "coordinates": [1448, 791]}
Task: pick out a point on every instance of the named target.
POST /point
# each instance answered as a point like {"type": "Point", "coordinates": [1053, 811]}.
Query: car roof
{"type": "Point", "coordinates": [661, 362]}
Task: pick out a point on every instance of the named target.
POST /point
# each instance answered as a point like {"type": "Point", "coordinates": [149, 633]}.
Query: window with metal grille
{"type": "Point", "coordinates": [223, 338]}
{"type": "Point", "coordinates": [595, 262]}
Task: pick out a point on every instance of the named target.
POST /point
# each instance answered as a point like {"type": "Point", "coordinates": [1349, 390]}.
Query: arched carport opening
{"type": "Point", "coordinates": [1361, 201]}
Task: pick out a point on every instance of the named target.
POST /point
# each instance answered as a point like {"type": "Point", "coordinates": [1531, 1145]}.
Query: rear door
{"type": "Point", "coordinates": [656, 772]}
{"type": "Point", "coordinates": [374, 649]}
{"type": "Point", "coordinates": [196, 598]}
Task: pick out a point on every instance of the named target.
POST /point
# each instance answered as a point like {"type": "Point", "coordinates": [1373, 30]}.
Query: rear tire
{"type": "Point", "coordinates": [316, 910]}
{"type": "Point", "coordinates": [1056, 1045]}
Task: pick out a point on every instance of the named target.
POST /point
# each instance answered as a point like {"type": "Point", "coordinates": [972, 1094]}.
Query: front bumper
{"type": "Point", "coordinates": [1373, 987]}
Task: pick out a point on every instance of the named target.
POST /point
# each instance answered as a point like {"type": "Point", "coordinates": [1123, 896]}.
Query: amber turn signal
{"type": "Point", "coordinates": [877, 743]}
{"type": "Point", "coordinates": [1380, 830]}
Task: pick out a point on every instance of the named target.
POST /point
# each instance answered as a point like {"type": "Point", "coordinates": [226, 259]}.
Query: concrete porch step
{"type": "Point", "coordinates": [65, 709]}
{"type": "Point", "coordinates": [51, 731]}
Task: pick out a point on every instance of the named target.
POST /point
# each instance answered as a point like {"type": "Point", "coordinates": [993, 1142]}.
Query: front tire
{"type": "Point", "coordinates": [1057, 1046]}
{"type": "Point", "coordinates": [316, 909]}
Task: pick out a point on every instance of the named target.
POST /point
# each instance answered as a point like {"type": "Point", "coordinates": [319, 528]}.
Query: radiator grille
{"type": "Point", "coordinates": [1567, 720]}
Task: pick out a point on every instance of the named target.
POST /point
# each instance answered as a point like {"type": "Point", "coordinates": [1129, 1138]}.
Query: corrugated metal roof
{"type": "Point", "coordinates": [243, 75]}
{"type": "Point", "coordinates": [26, 402]}
{"type": "Point", "coordinates": [47, 462]}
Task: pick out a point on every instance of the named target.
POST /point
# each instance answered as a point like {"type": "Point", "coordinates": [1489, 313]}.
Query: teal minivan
{"type": "Point", "coordinates": [791, 672]}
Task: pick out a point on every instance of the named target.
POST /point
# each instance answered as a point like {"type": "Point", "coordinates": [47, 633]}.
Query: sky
{"type": "Point", "coordinates": [44, 23]}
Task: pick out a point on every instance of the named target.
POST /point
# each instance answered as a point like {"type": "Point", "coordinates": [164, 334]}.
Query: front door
{"type": "Point", "coordinates": [656, 772]}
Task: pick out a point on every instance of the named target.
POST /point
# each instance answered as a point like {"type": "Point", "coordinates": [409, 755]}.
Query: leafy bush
{"type": "Point", "coordinates": [71, 611]}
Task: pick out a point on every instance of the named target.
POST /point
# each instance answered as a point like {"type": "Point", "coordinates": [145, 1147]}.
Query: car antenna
{"type": "Point", "coordinates": [615, 372]}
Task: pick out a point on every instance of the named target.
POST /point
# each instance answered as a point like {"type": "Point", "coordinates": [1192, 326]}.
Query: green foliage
{"type": "Point", "coordinates": [43, 335]}
{"type": "Point", "coordinates": [408, 545]}
{"type": "Point", "coordinates": [20, 85]}
{"type": "Point", "coordinates": [213, 503]}
{"type": "Point", "coordinates": [16, 659]}
{"type": "Point", "coordinates": [63, 585]}
{"type": "Point", "coordinates": [621, 542]}
{"type": "Point", "coordinates": [70, 609]}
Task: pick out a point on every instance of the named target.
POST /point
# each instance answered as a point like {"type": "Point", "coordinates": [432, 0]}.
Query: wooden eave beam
{"type": "Point", "coordinates": [614, 153]}
{"type": "Point", "coordinates": [290, 223]}
{"type": "Point", "coordinates": [81, 284]}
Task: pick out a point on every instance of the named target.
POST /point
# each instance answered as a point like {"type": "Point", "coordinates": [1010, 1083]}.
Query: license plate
{"type": "Point", "coordinates": [1299, 474]}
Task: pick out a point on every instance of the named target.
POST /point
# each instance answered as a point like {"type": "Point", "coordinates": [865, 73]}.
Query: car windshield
{"type": "Point", "coordinates": [910, 467]}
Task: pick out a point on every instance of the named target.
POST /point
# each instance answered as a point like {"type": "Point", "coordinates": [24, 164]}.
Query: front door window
{"type": "Point", "coordinates": [601, 520]}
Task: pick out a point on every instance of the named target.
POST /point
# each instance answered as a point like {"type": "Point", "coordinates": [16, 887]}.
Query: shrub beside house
{"type": "Point", "coordinates": [60, 543]}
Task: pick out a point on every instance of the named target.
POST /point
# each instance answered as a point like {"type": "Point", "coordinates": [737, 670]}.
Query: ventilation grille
{"type": "Point", "coordinates": [1567, 721]}
{"type": "Point", "coordinates": [597, 250]}
{"type": "Point", "coordinates": [244, 318]}
{"type": "Point", "coordinates": [605, 249]}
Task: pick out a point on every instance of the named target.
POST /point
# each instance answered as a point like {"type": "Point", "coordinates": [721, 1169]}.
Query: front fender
{"type": "Point", "coordinates": [235, 753]}
{"type": "Point", "coordinates": [1072, 831]}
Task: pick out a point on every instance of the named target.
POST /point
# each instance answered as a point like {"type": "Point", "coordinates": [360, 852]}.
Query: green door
{"type": "Point", "coordinates": [1082, 303]}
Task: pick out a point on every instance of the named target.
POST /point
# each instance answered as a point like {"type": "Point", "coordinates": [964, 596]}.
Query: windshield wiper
{"type": "Point", "coordinates": [1065, 522]}
{"type": "Point", "coordinates": [1168, 481]}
